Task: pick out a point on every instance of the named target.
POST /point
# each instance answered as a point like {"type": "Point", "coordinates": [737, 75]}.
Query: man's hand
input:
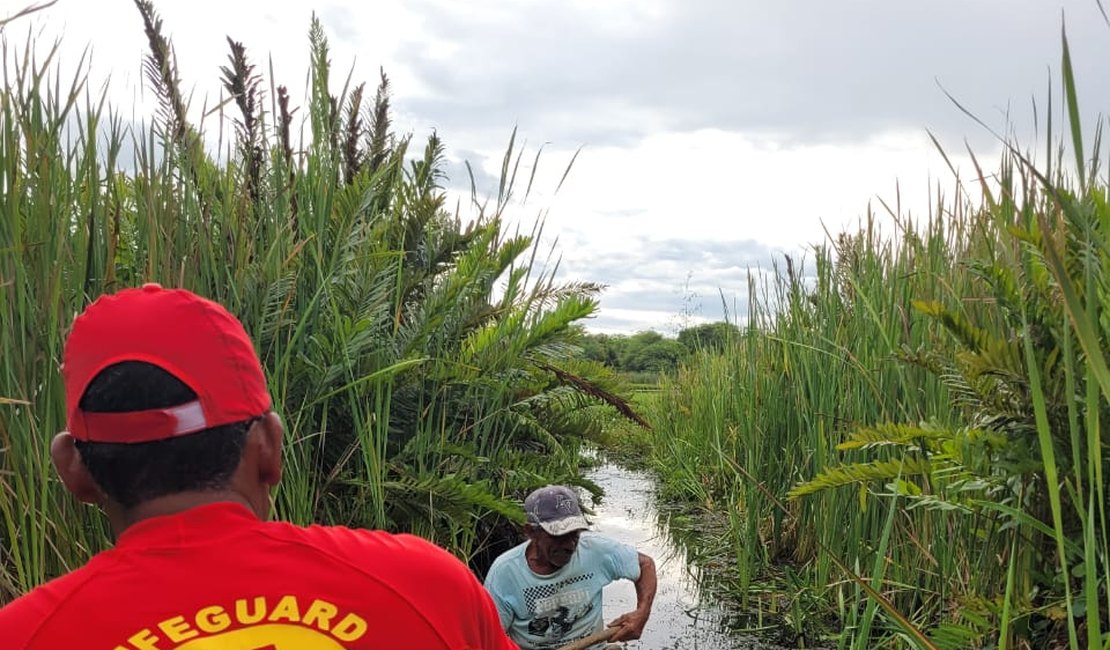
{"type": "Point", "coordinates": [631, 626]}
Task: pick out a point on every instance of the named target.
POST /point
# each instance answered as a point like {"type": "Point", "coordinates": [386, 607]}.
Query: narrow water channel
{"type": "Point", "coordinates": [682, 618]}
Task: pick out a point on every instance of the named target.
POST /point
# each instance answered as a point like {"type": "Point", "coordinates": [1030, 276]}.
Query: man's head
{"type": "Point", "coordinates": [555, 521]}
{"type": "Point", "coordinates": [165, 398]}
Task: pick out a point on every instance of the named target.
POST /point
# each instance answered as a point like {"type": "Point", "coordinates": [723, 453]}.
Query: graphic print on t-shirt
{"type": "Point", "coordinates": [265, 637]}
{"type": "Point", "coordinates": [258, 623]}
{"type": "Point", "coordinates": [555, 608]}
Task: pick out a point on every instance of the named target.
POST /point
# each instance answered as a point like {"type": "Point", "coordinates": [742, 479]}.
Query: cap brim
{"type": "Point", "coordinates": [565, 525]}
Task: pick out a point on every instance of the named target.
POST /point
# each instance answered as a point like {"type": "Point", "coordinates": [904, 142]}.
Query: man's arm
{"type": "Point", "coordinates": [632, 624]}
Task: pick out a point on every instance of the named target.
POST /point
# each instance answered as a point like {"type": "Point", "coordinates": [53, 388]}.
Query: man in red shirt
{"type": "Point", "coordinates": [171, 432]}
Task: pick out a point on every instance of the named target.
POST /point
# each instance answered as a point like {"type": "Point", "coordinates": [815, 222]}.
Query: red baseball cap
{"type": "Point", "coordinates": [192, 338]}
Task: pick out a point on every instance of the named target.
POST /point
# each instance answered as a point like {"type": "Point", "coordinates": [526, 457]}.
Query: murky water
{"type": "Point", "coordinates": [681, 619]}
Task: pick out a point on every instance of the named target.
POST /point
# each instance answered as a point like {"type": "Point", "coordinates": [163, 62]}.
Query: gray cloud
{"type": "Point", "coordinates": [658, 259]}
{"type": "Point", "coordinates": [790, 70]}
{"type": "Point", "coordinates": [459, 178]}
{"type": "Point", "coordinates": [674, 281]}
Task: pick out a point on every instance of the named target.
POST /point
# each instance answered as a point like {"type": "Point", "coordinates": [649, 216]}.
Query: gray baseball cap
{"type": "Point", "coordinates": [555, 509]}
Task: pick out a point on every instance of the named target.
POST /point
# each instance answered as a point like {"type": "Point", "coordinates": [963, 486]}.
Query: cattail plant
{"type": "Point", "coordinates": [932, 400]}
{"type": "Point", "coordinates": [417, 394]}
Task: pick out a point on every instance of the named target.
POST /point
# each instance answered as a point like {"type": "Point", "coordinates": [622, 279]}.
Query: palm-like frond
{"type": "Point", "coordinates": [587, 387]}
{"type": "Point", "coordinates": [415, 392]}
{"type": "Point", "coordinates": [895, 435]}
{"type": "Point", "coordinates": [856, 473]}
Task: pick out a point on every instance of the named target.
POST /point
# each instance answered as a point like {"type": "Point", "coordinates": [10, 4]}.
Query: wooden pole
{"type": "Point", "coordinates": [582, 644]}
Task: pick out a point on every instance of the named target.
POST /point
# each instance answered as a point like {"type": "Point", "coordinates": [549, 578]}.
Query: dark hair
{"type": "Point", "coordinates": [132, 473]}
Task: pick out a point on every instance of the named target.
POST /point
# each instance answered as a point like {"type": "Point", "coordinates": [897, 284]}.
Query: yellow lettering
{"type": "Point", "coordinates": [250, 618]}
{"type": "Point", "coordinates": [350, 628]}
{"type": "Point", "coordinates": [144, 640]}
{"type": "Point", "coordinates": [213, 619]}
{"type": "Point", "coordinates": [177, 629]}
{"type": "Point", "coordinates": [321, 611]}
{"type": "Point", "coordinates": [286, 609]}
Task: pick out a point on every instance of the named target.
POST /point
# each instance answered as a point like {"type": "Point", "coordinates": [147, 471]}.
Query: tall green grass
{"type": "Point", "coordinates": [932, 400]}
{"type": "Point", "coordinates": [421, 359]}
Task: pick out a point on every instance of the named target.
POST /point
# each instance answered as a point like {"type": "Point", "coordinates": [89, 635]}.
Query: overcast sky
{"type": "Point", "coordinates": [715, 135]}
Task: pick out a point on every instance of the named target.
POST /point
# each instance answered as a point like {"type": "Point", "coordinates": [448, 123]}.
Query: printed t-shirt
{"type": "Point", "coordinates": [217, 578]}
{"type": "Point", "coordinates": [548, 611]}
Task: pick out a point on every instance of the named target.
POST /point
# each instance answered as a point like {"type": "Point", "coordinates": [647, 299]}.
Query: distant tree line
{"type": "Point", "coordinates": [653, 353]}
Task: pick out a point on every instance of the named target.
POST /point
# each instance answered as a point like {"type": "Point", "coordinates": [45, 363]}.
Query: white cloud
{"type": "Point", "coordinates": [717, 135]}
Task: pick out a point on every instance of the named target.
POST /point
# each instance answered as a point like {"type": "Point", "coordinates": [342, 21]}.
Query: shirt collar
{"type": "Point", "coordinates": [197, 525]}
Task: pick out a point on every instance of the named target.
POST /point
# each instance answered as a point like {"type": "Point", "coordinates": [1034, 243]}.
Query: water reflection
{"type": "Point", "coordinates": [681, 618]}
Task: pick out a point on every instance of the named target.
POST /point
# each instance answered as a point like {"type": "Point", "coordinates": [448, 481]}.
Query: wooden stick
{"type": "Point", "coordinates": [582, 644]}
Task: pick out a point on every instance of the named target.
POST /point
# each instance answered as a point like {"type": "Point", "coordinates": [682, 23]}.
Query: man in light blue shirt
{"type": "Point", "coordinates": [548, 589]}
